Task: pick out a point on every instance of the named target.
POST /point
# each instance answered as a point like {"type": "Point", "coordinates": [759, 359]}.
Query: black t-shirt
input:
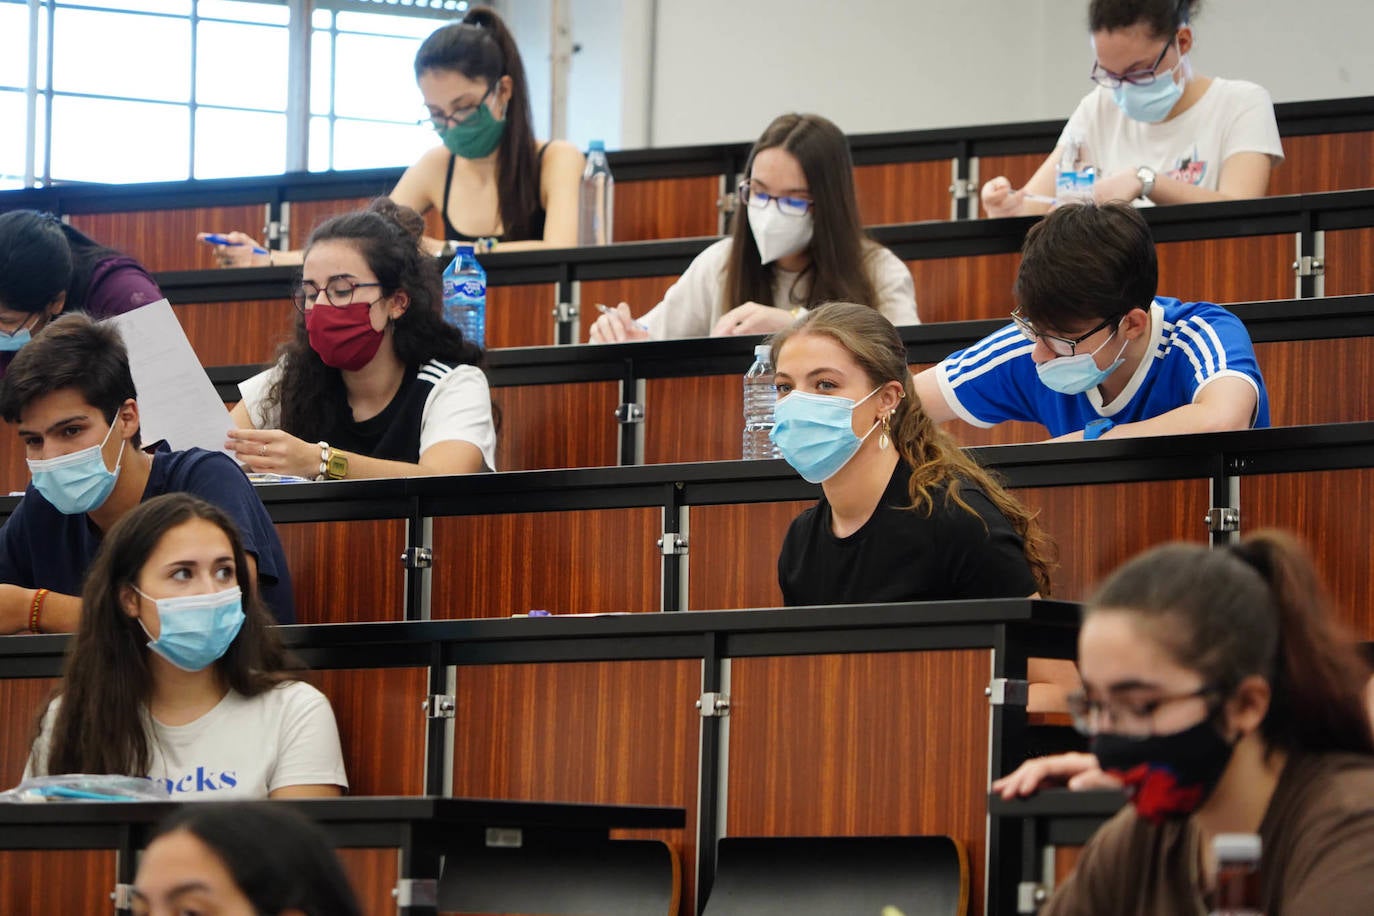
{"type": "Point", "coordinates": [901, 554]}
{"type": "Point", "coordinates": [393, 434]}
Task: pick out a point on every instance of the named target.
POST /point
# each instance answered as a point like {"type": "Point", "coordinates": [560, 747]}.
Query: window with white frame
{"type": "Point", "coordinates": [165, 90]}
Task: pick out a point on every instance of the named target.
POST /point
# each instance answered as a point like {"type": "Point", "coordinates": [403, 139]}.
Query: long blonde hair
{"type": "Point", "coordinates": [935, 459]}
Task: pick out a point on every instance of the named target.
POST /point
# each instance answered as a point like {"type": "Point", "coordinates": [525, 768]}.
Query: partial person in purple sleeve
{"type": "Point", "coordinates": [47, 268]}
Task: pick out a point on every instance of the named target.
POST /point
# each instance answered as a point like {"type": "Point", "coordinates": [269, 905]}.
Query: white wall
{"type": "Point", "coordinates": [724, 68]}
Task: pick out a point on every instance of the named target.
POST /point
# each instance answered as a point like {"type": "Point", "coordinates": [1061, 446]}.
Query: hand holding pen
{"type": "Point", "coordinates": [236, 249]}
{"type": "Point", "coordinates": [616, 325]}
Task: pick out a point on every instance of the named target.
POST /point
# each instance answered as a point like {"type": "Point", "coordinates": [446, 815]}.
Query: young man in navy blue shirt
{"type": "Point", "coordinates": [72, 395]}
{"type": "Point", "coordinates": [1092, 352]}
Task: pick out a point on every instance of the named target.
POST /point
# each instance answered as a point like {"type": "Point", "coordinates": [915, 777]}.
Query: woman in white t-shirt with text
{"type": "Point", "coordinates": [175, 672]}
{"type": "Point", "coordinates": [1156, 132]}
{"type": "Point", "coordinates": [797, 242]}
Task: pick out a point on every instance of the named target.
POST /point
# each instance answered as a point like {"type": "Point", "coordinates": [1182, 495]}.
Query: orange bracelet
{"type": "Point", "coordinates": [36, 609]}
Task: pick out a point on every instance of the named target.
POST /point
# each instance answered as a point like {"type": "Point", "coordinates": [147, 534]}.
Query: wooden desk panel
{"type": "Point", "coordinates": [733, 559]}
{"type": "Point", "coordinates": [381, 726]}
{"type": "Point", "coordinates": [667, 208]}
{"type": "Point", "coordinates": [570, 425]}
{"type": "Point", "coordinates": [1099, 527]}
{"type": "Point", "coordinates": [640, 293]}
{"type": "Point", "coordinates": [1017, 168]}
{"type": "Point", "coordinates": [1315, 381]}
{"type": "Point", "coordinates": [1246, 269]}
{"type": "Point", "coordinates": [166, 239]}
{"type": "Point", "coordinates": [1325, 162]}
{"type": "Point", "coordinates": [521, 316]}
{"type": "Point", "coordinates": [372, 874]}
{"type": "Point", "coordinates": [1349, 267]}
{"type": "Point", "coordinates": [580, 562]}
{"type": "Point", "coordinates": [1328, 510]}
{"type": "Point", "coordinates": [22, 703]}
{"type": "Point", "coordinates": [694, 419]}
{"type": "Point", "coordinates": [237, 333]}
{"type": "Point", "coordinates": [904, 192]}
{"type": "Point", "coordinates": [603, 732]}
{"type": "Point", "coordinates": [346, 572]}
{"type": "Point", "coordinates": [964, 289]}
{"type": "Point", "coordinates": [305, 215]}
{"type": "Point", "coordinates": [854, 745]}
{"type": "Point", "coordinates": [14, 472]}
{"type": "Point", "coordinates": [57, 881]}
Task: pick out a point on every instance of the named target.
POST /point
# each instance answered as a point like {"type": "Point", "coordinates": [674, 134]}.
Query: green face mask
{"type": "Point", "coordinates": [475, 138]}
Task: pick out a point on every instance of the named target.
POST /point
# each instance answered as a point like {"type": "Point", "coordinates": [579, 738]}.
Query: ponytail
{"type": "Point", "coordinates": [1258, 608]}
{"type": "Point", "coordinates": [481, 47]}
{"type": "Point", "coordinates": [1319, 675]}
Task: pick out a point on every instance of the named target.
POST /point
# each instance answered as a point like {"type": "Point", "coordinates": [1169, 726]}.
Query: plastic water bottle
{"type": "Point", "coordinates": [1074, 182]}
{"type": "Point", "coordinates": [596, 209]}
{"type": "Point", "coordinates": [1239, 890]}
{"type": "Point", "coordinates": [759, 396]}
{"type": "Point", "coordinates": [465, 295]}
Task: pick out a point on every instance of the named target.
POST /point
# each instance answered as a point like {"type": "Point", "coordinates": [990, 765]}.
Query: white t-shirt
{"type": "Point", "coordinates": [457, 408]}
{"type": "Point", "coordinates": [695, 302]}
{"type": "Point", "coordinates": [1233, 116]}
{"type": "Point", "coordinates": [244, 748]}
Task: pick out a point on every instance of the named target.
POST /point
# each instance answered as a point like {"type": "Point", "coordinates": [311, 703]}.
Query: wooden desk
{"type": "Point", "coordinates": [423, 829]}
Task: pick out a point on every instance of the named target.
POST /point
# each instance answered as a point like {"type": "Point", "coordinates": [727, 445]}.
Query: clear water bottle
{"type": "Point", "coordinates": [465, 295]}
{"type": "Point", "coordinates": [1074, 182]}
{"type": "Point", "coordinates": [1239, 890]}
{"type": "Point", "coordinates": [596, 209]}
{"type": "Point", "coordinates": [760, 394]}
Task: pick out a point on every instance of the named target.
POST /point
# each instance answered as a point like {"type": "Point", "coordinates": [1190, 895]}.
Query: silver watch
{"type": "Point", "coordinates": [1147, 180]}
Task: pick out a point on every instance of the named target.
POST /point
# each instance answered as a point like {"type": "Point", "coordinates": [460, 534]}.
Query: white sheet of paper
{"type": "Point", "coordinates": [176, 399]}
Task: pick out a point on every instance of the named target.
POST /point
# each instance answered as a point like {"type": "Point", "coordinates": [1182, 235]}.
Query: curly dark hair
{"type": "Point", "coordinates": [388, 237]}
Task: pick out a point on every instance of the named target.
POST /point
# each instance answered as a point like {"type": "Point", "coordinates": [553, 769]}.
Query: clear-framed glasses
{"type": "Point", "coordinates": [792, 206]}
{"type": "Point", "coordinates": [442, 122]}
{"type": "Point", "coordinates": [338, 292]}
{"type": "Point", "coordinates": [1059, 346]}
{"type": "Point", "coordinates": [1127, 718]}
{"type": "Point", "coordinates": [1106, 78]}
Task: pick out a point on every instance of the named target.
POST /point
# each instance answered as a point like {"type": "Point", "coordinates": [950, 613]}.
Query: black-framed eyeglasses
{"type": "Point", "coordinates": [1059, 346]}
{"type": "Point", "coordinates": [442, 122]}
{"type": "Point", "coordinates": [338, 292]}
{"type": "Point", "coordinates": [792, 206]}
{"type": "Point", "coordinates": [1106, 78]}
{"type": "Point", "coordinates": [1129, 720]}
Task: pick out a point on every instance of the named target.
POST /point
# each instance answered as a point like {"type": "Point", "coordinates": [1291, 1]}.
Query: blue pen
{"type": "Point", "coordinates": [214, 238]}
{"type": "Point", "coordinates": [67, 792]}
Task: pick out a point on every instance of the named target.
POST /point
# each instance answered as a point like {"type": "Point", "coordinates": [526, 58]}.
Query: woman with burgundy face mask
{"type": "Point", "coordinates": [374, 383]}
{"type": "Point", "coordinates": [175, 673]}
{"type": "Point", "coordinates": [1155, 131]}
{"type": "Point", "coordinates": [797, 242]}
{"type": "Point", "coordinates": [1220, 692]}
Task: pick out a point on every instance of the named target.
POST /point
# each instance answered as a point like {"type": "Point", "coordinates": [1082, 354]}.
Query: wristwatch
{"type": "Point", "coordinates": [1147, 181]}
{"type": "Point", "coordinates": [333, 463]}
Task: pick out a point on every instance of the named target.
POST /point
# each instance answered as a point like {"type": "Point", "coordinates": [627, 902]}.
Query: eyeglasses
{"type": "Point", "coordinates": [442, 122]}
{"type": "Point", "coordinates": [792, 206]}
{"type": "Point", "coordinates": [1129, 720]}
{"type": "Point", "coordinates": [1106, 78]}
{"type": "Point", "coordinates": [338, 291]}
{"type": "Point", "coordinates": [1059, 346]}
{"type": "Point", "coordinates": [11, 326]}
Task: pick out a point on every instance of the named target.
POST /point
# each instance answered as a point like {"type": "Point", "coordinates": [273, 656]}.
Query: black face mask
{"type": "Point", "coordinates": [1166, 775]}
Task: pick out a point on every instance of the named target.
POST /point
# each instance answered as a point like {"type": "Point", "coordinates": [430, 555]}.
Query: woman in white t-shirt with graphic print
{"type": "Point", "coordinates": [175, 672]}
{"type": "Point", "coordinates": [1156, 132]}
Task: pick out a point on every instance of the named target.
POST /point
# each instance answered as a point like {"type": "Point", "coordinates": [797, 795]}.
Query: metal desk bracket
{"type": "Point", "coordinates": [1006, 691]}
{"type": "Point", "coordinates": [672, 544]}
{"type": "Point", "coordinates": [441, 706]}
{"type": "Point", "coordinates": [629, 413]}
{"type": "Point", "coordinates": [416, 892]}
{"type": "Point", "coordinates": [1029, 896]}
{"type": "Point", "coordinates": [417, 558]}
{"type": "Point", "coordinates": [714, 705]}
{"type": "Point", "coordinates": [123, 896]}
{"type": "Point", "coordinates": [1222, 518]}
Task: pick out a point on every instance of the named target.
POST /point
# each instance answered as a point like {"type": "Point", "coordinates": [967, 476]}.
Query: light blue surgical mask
{"type": "Point", "coordinates": [77, 482]}
{"type": "Point", "coordinates": [196, 630]}
{"type": "Point", "coordinates": [1078, 373]}
{"type": "Point", "coordinates": [815, 432]}
{"type": "Point", "coordinates": [1152, 102]}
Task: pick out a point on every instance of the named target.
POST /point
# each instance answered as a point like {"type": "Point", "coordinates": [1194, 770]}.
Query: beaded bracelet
{"type": "Point", "coordinates": [324, 460]}
{"type": "Point", "coordinates": [36, 609]}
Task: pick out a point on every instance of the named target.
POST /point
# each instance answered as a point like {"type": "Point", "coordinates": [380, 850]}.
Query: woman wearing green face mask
{"type": "Point", "coordinates": [491, 178]}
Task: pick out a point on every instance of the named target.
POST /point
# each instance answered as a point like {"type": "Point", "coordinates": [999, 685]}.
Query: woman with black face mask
{"type": "Point", "coordinates": [1220, 692]}
{"type": "Point", "coordinates": [491, 180]}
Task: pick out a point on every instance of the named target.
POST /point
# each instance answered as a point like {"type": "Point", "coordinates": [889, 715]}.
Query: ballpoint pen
{"type": "Point", "coordinates": [214, 238]}
{"type": "Point", "coordinates": [606, 310]}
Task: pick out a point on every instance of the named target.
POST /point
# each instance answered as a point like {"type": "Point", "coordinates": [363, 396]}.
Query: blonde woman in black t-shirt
{"type": "Point", "coordinates": [905, 515]}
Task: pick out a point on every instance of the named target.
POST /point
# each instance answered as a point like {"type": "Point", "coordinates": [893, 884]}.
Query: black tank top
{"type": "Point", "coordinates": [451, 231]}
